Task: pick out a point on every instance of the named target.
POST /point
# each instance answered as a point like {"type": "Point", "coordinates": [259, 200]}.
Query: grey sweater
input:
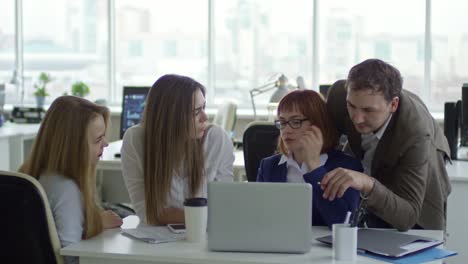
{"type": "Point", "coordinates": [67, 208]}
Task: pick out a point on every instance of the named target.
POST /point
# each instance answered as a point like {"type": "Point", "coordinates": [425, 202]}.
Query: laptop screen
{"type": "Point", "coordinates": [133, 103]}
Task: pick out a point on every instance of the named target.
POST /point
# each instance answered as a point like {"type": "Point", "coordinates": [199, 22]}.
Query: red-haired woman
{"type": "Point", "coordinates": [307, 152]}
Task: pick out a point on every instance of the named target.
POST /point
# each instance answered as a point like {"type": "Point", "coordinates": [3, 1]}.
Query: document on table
{"type": "Point", "coordinates": [389, 243]}
{"type": "Point", "coordinates": [152, 234]}
{"type": "Point", "coordinates": [420, 257]}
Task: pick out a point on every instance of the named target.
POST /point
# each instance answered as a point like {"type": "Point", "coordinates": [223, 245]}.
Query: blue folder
{"type": "Point", "coordinates": [419, 257]}
{"type": "Point", "coordinates": [389, 243]}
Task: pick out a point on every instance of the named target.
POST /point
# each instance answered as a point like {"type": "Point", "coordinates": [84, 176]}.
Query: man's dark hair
{"type": "Point", "coordinates": [376, 75]}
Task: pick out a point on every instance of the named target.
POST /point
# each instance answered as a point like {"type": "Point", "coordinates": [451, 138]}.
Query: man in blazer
{"type": "Point", "coordinates": [403, 150]}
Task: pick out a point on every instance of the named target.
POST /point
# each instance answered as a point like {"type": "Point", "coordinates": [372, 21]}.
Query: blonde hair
{"type": "Point", "coordinates": [170, 146]}
{"type": "Point", "coordinates": [62, 147]}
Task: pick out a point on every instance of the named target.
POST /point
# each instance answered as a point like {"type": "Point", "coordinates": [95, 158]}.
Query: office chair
{"type": "Point", "coordinates": [29, 234]}
{"type": "Point", "coordinates": [260, 140]}
{"type": "Point", "coordinates": [337, 96]}
{"type": "Point", "coordinates": [226, 116]}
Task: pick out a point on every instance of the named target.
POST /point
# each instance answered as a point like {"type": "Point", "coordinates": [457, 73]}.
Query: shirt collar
{"type": "Point", "coordinates": [288, 159]}
{"type": "Point", "coordinates": [379, 133]}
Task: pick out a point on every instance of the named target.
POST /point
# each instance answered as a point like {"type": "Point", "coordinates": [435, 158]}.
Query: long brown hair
{"type": "Point", "coordinates": [170, 146]}
{"type": "Point", "coordinates": [62, 147]}
{"type": "Point", "coordinates": [312, 106]}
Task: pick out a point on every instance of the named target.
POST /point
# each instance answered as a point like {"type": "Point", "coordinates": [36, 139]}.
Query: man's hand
{"type": "Point", "coordinates": [336, 182]}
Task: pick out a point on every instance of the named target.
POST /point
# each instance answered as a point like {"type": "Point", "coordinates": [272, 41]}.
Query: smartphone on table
{"type": "Point", "coordinates": [176, 228]}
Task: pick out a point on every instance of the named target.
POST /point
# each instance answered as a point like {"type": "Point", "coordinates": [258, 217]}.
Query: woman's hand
{"type": "Point", "coordinates": [110, 219]}
{"type": "Point", "coordinates": [312, 142]}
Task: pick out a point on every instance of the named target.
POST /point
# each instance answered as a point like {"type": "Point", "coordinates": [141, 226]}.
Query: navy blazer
{"type": "Point", "coordinates": [324, 212]}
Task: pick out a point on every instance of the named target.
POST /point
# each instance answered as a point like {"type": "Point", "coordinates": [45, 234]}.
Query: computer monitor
{"type": "Point", "coordinates": [464, 116]}
{"type": "Point", "coordinates": [133, 103]}
{"type": "Point", "coordinates": [456, 125]}
{"type": "Point", "coordinates": [452, 113]}
{"type": "Point", "coordinates": [323, 89]}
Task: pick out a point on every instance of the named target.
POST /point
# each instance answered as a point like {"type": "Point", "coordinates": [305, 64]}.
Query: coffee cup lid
{"type": "Point", "coordinates": [197, 202]}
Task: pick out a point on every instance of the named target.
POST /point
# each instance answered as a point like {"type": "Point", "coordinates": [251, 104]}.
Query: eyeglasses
{"type": "Point", "coordinates": [293, 123]}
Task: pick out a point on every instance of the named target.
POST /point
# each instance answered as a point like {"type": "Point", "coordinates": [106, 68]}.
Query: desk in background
{"type": "Point", "coordinates": [15, 144]}
{"type": "Point", "coordinates": [112, 247]}
{"type": "Point", "coordinates": [110, 162]}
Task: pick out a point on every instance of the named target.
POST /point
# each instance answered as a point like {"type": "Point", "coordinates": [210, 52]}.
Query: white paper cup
{"type": "Point", "coordinates": [344, 242]}
{"type": "Point", "coordinates": [195, 210]}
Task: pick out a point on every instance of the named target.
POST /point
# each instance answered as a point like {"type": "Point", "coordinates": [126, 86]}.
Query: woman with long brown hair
{"type": "Point", "coordinates": [66, 150]}
{"type": "Point", "coordinates": [173, 153]}
{"type": "Point", "coordinates": [307, 152]}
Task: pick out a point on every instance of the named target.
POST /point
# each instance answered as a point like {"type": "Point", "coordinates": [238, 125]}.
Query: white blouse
{"type": "Point", "coordinates": [295, 171]}
{"type": "Point", "coordinates": [219, 159]}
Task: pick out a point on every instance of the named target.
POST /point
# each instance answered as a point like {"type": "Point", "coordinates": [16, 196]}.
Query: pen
{"type": "Point", "coordinates": [346, 221]}
{"type": "Point", "coordinates": [320, 183]}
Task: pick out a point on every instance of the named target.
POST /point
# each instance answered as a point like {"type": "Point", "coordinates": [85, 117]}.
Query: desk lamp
{"type": "Point", "coordinates": [281, 86]}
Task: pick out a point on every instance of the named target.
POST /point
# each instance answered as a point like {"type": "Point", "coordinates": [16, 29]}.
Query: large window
{"type": "Point", "coordinates": [159, 37]}
{"type": "Point", "coordinates": [253, 42]}
{"type": "Point", "coordinates": [256, 40]}
{"type": "Point", "coordinates": [69, 43]}
{"type": "Point", "coordinates": [352, 31]}
{"type": "Point", "coordinates": [7, 47]}
{"type": "Point", "coordinates": [449, 51]}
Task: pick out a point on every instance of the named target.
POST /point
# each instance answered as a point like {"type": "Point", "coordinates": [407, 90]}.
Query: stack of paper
{"type": "Point", "coordinates": [421, 257]}
{"type": "Point", "coordinates": [153, 234]}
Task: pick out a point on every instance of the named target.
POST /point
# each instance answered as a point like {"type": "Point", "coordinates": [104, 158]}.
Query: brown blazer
{"type": "Point", "coordinates": [412, 185]}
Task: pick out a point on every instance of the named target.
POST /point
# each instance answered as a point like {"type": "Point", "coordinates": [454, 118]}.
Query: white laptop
{"type": "Point", "coordinates": [260, 217]}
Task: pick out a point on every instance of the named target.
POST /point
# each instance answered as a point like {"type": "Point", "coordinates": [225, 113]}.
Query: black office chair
{"type": "Point", "coordinates": [337, 96]}
{"type": "Point", "coordinates": [28, 228]}
{"type": "Point", "coordinates": [259, 141]}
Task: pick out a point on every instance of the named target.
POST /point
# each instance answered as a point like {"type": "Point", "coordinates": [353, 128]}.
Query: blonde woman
{"type": "Point", "coordinates": [173, 153]}
{"type": "Point", "coordinates": [67, 148]}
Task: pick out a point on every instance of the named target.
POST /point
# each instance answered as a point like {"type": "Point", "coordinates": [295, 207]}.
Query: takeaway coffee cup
{"type": "Point", "coordinates": [195, 210]}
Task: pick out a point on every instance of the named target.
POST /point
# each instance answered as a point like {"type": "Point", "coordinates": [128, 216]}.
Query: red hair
{"type": "Point", "coordinates": [312, 106]}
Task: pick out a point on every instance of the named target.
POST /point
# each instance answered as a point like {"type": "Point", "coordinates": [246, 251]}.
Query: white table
{"type": "Point", "coordinates": [112, 247]}
{"type": "Point", "coordinates": [15, 143]}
